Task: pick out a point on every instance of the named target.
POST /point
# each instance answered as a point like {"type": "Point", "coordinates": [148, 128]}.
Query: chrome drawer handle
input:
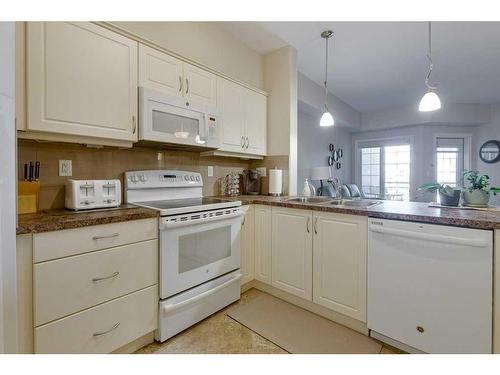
{"type": "Point", "coordinates": [180, 84]}
{"type": "Point", "coordinates": [307, 224]}
{"type": "Point", "coordinates": [96, 279]}
{"type": "Point", "coordinates": [107, 236]}
{"type": "Point", "coordinates": [97, 334]}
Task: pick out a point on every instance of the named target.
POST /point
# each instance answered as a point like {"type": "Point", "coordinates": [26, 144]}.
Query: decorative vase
{"type": "Point", "coordinates": [447, 200]}
{"type": "Point", "coordinates": [478, 198]}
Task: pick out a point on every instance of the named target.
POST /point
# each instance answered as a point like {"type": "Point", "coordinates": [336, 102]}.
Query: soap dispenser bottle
{"type": "Point", "coordinates": [308, 189]}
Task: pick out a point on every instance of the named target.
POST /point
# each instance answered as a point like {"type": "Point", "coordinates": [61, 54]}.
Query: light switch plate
{"type": "Point", "coordinates": [210, 171]}
{"type": "Point", "coordinates": [262, 171]}
{"type": "Point", "coordinates": [65, 168]}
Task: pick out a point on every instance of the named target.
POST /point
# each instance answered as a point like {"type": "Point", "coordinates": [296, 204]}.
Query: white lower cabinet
{"type": "Point", "coordinates": [292, 251]}
{"type": "Point", "coordinates": [95, 289]}
{"type": "Point", "coordinates": [496, 293]}
{"type": "Point", "coordinates": [247, 245]}
{"type": "Point", "coordinates": [103, 328]}
{"type": "Point", "coordinates": [263, 243]}
{"type": "Point", "coordinates": [340, 251]}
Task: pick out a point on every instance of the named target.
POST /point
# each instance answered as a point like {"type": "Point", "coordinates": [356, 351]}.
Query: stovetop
{"type": "Point", "coordinates": [187, 205]}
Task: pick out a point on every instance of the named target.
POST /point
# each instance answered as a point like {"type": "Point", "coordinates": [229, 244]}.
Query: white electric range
{"type": "Point", "coordinates": [199, 249]}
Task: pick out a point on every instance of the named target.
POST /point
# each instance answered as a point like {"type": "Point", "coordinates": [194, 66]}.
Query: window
{"type": "Point", "coordinates": [370, 172]}
{"type": "Point", "coordinates": [385, 169]}
{"type": "Point", "coordinates": [449, 160]}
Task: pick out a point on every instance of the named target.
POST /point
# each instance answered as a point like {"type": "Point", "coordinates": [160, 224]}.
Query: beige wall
{"type": "Point", "coordinates": [207, 44]}
{"type": "Point", "coordinates": [111, 162]}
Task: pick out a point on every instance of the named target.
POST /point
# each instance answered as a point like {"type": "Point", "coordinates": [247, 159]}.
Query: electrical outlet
{"type": "Point", "coordinates": [65, 168]}
{"type": "Point", "coordinates": [262, 171]}
{"type": "Point", "coordinates": [210, 171]}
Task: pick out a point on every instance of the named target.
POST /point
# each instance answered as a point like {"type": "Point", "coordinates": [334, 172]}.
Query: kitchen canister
{"type": "Point", "coordinates": [275, 182]}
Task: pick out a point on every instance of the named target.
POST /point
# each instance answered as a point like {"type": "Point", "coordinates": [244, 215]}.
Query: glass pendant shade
{"type": "Point", "coordinates": [429, 102]}
{"type": "Point", "coordinates": [326, 119]}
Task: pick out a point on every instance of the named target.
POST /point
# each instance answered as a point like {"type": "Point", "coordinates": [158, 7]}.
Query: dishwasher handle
{"type": "Point", "coordinates": [430, 237]}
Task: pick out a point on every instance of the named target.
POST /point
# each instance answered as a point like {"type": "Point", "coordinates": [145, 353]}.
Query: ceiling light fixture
{"type": "Point", "coordinates": [430, 101]}
{"type": "Point", "coordinates": [326, 118]}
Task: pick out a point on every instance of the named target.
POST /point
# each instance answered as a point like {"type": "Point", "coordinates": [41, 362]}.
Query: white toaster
{"type": "Point", "coordinates": [91, 194]}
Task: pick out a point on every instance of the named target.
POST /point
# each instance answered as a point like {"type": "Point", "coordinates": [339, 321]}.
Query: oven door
{"type": "Point", "coordinates": [198, 247]}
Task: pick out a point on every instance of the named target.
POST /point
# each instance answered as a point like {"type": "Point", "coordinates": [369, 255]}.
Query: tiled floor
{"type": "Point", "coordinates": [219, 334]}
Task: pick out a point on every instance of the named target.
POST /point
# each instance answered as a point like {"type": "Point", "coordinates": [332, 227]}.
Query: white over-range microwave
{"type": "Point", "coordinates": [173, 120]}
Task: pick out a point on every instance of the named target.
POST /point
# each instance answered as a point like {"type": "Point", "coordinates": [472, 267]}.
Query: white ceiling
{"type": "Point", "coordinates": [380, 65]}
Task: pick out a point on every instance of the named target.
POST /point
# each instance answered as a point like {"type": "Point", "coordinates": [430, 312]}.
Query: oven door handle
{"type": "Point", "coordinates": [175, 306]}
{"type": "Point", "coordinates": [178, 224]}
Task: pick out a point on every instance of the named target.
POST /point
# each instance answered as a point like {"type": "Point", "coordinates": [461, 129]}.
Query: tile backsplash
{"type": "Point", "coordinates": [111, 162]}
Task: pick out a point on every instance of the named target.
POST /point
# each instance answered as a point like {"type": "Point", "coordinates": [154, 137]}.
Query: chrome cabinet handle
{"type": "Point", "coordinates": [242, 142]}
{"type": "Point", "coordinates": [134, 125]}
{"type": "Point", "coordinates": [315, 225]}
{"type": "Point", "coordinates": [97, 334]}
{"type": "Point", "coordinates": [97, 279]}
{"type": "Point", "coordinates": [187, 85]}
{"type": "Point", "coordinates": [106, 236]}
{"type": "Point", "coordinates": [248, 143]}
{"type": "Point", "coordinates": [243, 218]}
{"type": "Point", "coordinates": [180, 84]}
{"type": "Point", "coordinates": [307, 225]}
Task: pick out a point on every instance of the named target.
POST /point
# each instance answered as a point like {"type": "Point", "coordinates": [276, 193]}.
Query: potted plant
{"type": "Point", "coordinates": [478, 189]}
{"type": "Point", "coordinates": [448, 196]}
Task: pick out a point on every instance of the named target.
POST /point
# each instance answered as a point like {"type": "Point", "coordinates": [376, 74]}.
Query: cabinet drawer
{"type": "Point", "coordinates": [132, 316]}
{"type": "Point", "coordinates": [65, 286]}
{"type": "Point", "coordinates": [63, 243]}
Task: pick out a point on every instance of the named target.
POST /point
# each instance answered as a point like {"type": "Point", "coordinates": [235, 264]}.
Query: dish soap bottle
{"type": "Point", "coordinates": [306, 191]}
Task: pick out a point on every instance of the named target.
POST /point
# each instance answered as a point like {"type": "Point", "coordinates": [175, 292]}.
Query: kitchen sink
{"type": "Point", "coordinates": [355, 203]}
{"type": "Point", "coordinates": [310, 199]}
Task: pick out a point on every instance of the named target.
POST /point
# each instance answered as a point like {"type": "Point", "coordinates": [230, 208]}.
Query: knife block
{"type": "Point", "coordinates": [28, 193]}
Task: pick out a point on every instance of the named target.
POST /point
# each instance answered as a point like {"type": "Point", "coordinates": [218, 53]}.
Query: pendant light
{"type": "Point", "coordinates": [326, 118]}
{"type": "Point", "coordinates": [430, 101]}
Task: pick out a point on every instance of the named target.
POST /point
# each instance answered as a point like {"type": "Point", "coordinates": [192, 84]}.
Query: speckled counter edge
{"type": "Point", "coordinates": [48, 221]}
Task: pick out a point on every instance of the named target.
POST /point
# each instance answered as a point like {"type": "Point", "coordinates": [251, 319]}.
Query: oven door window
{"type": "Point", "coordinates": [203, 248]}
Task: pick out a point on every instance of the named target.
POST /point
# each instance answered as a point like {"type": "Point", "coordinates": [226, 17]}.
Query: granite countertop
{"type": "Point", "coordinates": [51, 220]}
{"type": "Point", "coordinates": [408, 211]}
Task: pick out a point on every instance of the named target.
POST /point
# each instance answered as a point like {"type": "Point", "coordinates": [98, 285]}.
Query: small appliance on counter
{"type": "Point", "coordinates": [251, 182]}
{"type": "Point", "coordinates": [92, 194]}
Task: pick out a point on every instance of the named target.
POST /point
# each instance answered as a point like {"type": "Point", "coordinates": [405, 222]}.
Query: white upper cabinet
{"type": "Point", "coordinates": [292, 251]}
{"type": "Point", "coordinates": [256, 122]}
{"type": "Point", "coordinates": [200, 85]}
{"type": "Point", "coordinates": [162, 72]}
{"type": "Point", "coordinates": [231, 116]}
{"type": "Point", "coordinates": [81, 81]}
{"type": "Point", "coordinates": [243, 115]}
{"type": "Point", "coordinates": [340, 251]}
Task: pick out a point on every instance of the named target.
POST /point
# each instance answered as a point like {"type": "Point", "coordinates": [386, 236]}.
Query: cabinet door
{"type": "Point", "coordinates": [263, 232]}
{"type": "Point", "coordinates": [200, 85]}
{"type": "Point", "coordinates": [256, 122]}
{"type": "Point", "coordinates": [292, 251]}
{"type": "Point", "coordinates": [247, 245]}
{"type": "Point", "coordinates": [160, 71]}
{"type": "Point", "coordinates": [340, 248]}
{"type": "Point", "coordinates": [81, 80]}
{"type": "Point", "coordinates": [231, 115]}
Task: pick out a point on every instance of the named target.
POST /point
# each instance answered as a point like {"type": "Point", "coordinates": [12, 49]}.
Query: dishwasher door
{"type": "Point", "coordinates": [430, 286]}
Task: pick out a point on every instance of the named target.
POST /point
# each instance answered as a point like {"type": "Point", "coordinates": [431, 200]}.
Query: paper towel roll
{"type": "Point", "coordinates": [275, 181]}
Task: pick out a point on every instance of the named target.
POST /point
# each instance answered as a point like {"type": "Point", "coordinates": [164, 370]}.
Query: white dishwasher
{"type": "Point", "coordinates": [430, 286]}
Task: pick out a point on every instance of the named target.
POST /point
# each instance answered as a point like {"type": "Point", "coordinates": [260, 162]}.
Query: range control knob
{"type": "Point", "coordinates": [191, 178]}
{"type": "Point", "coordinates": [143, 178]}
{"type": "Point", "coordinates": [197, 178]}
{"type": "Point", "coordinates": [134, 179]}
{"type": "Point", "coordinates": [186, 177]}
